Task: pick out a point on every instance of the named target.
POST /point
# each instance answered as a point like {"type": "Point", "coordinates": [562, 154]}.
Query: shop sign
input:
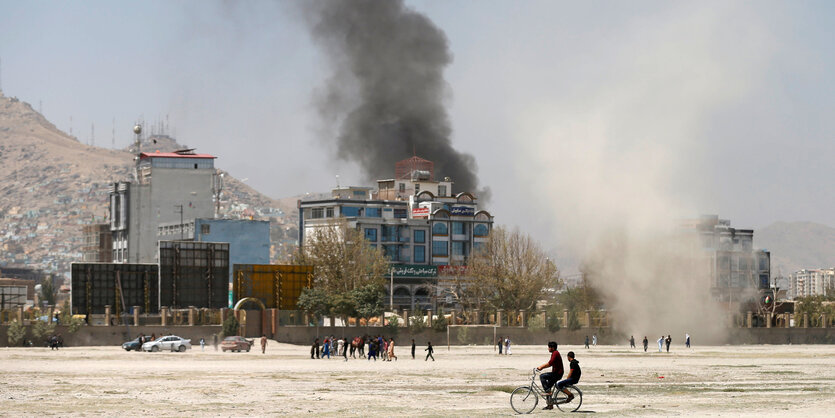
{"type": "Point", "coordinates": [411, 270]}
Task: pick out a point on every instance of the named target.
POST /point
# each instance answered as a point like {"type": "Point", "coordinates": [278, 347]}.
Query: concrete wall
{"type": "Point", "coordinates": [101, 335]}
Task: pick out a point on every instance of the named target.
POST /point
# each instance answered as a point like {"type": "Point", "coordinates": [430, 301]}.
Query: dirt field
{"type": "Point", "coordinates": [466, 381]}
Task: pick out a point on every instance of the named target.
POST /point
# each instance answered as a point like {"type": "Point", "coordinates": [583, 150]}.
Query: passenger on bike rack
{"type": "Point", "coordinates": [548, 379]}
{"type": "Point", "coordinates": [572, 378]}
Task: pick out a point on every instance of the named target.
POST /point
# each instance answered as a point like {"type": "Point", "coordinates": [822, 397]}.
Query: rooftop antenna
{"type": "Point", "coordinates": [137, 130]}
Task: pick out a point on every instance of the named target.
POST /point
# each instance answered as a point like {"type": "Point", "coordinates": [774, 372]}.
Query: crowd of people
{"type": "Point", "coordinates": [367, 347]}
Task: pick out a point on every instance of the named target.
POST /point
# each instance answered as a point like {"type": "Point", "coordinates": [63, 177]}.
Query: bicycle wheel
{"type": "Point", "coordinates": [523, 400]}
{"type": "Point", "coordinates": [575, 403]}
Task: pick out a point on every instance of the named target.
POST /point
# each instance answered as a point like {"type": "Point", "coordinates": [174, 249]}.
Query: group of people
{"type": "Point", "coordinates": [593, 340]}
{"type": "Point", "coordinates": [504, 341]}
{"type": "Point", "coordinates": [662, 341]}
{"type": "Point", "coordinates": [364, 346]}
{"type": "Point", "coordinates": [550, 378]}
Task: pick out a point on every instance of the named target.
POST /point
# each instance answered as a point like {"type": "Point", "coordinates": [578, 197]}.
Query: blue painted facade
{"type": "Point", "coordinates": [249, 241]}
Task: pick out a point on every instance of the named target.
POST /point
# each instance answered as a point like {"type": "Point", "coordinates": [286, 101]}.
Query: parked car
{"type": "Point", "coordinates": [236, 343]}
{"type": "Point", "coordinates": [169, 343]}
{"type": "Point", "coordinates": [132, 345]}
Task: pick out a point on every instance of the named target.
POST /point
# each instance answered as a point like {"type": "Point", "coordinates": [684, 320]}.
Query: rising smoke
{"type": "Point", "coordinates": [386, 94]}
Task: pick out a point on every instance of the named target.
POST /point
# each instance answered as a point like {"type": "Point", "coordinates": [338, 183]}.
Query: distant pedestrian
{"type": "Point", "coordinates": [391, 350]}
{"type": "Point", "coordinates": [594, 340]}
{"type": "Point", "coordinates": [214, 341]}
{"type": "Point", "coordinates": [202, 344]}
{"type": "Point", "coordinates": [668, 341]}
{"type": "Point", "coordinates": [661, 344]}
{"type": "Point", "coordinates": [631, 341]}
{"type": "Point", "coordinates": [314, 349]}
{"type": "Point", "coordinates": [646, 343]}
{"type": "Point", "coordinates": [429, 351]}
{"type": "Point", "coordinates": [344, 344]}
{"type": "Point", "coordinates": [507, 346]}
{"type": "Point", "coordinates": [413, 348]}
{"type": "Point", "coordinates": [587, 341]}
{"type": "Point", "coordinates": [687, 340]}
{"type": "Point", "coordinates": [326, 348]}
{"type": "Point", "coordinates": [263, 344]}
{"type": "Point", "coordinates": [500, 343]}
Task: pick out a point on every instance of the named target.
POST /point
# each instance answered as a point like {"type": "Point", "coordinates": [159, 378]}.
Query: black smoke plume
{"type": "Point", "coordinates": [387, 89]}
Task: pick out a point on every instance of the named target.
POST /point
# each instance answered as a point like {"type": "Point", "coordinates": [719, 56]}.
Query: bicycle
{"type": "Point", "coordinates": [524, 399]}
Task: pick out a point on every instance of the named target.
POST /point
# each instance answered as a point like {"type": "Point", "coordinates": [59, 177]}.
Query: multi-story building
{"type": "Point", "coordinates": [417, 222]}
{"type": "Point", "coordinates": [98, 244]}
{"type": "Point", "coordinates": [736, 270]}
{"type": "Point", "coordinates": [170, 187]}
{"type": "Point", "coordinates": [812, 282]}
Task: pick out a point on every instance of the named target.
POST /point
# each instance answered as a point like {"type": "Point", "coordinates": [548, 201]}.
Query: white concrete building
{"type": "Point", "coordinates": [812, 282]}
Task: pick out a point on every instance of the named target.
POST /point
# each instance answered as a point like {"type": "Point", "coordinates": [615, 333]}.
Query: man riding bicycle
{"type": "Point", "coordinates": [548, 379]}
{"type": "Point", "coordinates": [572, 378]}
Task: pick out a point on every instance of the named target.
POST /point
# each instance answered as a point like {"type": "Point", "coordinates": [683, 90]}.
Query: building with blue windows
{"type": "Point", "coordinates": [418, 223]}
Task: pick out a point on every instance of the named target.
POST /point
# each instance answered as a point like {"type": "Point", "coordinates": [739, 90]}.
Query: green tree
{"type": "Point", "coordinates": [16, 333]}
{"type": "Point", "coordinates": [417, 323]}
{"type": "Point", "coordinates": [66, 319]}
{"type": "Point", "coordinates": [552, 321]}
{"type": "Point", "coordinates": [230, 326]}
{"type": "Point", "coordinates": [511, 271]}
{"type": "Point", "coordinates": [316, 301]}
{"type": "Point", "coordinates": [42, 330]}
{"type": "Point", "coordinates": [48, 291]}
{"type": "Point", "coordinates": [441, 323]}
{"type": "Point", "coordinates": [370, 300]}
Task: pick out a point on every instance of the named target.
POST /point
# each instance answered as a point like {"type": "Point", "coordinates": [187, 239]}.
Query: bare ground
{"type": "Point", "coordinates": [466, 381]}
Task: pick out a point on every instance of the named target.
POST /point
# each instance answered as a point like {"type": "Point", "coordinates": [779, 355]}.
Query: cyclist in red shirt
{"type": "Point", "coordinates": [548, 379]}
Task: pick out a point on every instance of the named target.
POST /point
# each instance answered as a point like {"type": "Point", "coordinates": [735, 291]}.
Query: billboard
{"type": "Point", "coordinates": [462, 211]}
{"type": "Point", "coordinates": [193, 274]}
{"type": "Point", "coordinates": [96, 285]}
{"type": "Point", "coordinates": [420, 212]}
{"type": "Point", "coordinates": [413, 270]}
{"type": "Point", "coordinates": [277, 286]}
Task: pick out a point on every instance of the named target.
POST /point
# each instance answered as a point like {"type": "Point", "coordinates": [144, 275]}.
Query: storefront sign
{"type": "Point", "coordinates": [411, 270]}
{"type": "Point", "coordinates": [462, 211]}
{"type": "Point", "coordinates": [420, 212]}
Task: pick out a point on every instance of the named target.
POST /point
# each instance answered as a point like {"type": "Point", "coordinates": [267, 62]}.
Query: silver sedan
{"type": "Point", "coordinates": [168, 343]}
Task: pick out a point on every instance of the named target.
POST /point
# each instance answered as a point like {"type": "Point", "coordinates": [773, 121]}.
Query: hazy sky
{"type": "Point", "coordinates": [568, 107]}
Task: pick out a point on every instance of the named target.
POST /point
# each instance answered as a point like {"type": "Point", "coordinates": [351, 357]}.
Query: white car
{"type": "Point", "coordinates": [168, 343]}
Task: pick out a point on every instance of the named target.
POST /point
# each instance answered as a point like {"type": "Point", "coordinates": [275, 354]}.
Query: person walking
{"type": "Point", "coordinates": [314, 349]}
{"type": "Point", "coordinates": [263, 344]}
{"type": "Point", "coordinates": [594, 340]}
{"type": "Point", "coordinates": [668, 341]}
{"type": "Point", "coordinates": [687, 340]}
{"type": "Point", "coordinates": [631, 341]}
{"type": "Point", "coordinates": [646, 343]}
{"type": "Point", "coordinates": [413, 348]}
{"type": "Point", "coordinates": [391, 350]}
{"type": "Point", "coordinates": [202, 344]}
{"type": "Point", "coordinates": [344, 344]}
{"type": "Point", "coordinates": [326, 348]}
{"type": "Point", "coordinates": [429, 351]}
{"type": "Point", "coordinates": [500, 343]}
{"type": "Point", "coordinates": [214, 341]}
{"type": "Point", "coordinates": [587, 341]}
{"type": "Point", "coordinates": [661, 344]}
{"type": "Point", "coordinates": [507, 346]}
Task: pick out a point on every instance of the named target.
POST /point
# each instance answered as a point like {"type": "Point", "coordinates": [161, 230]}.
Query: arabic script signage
{"type": "Point", "coordinates": [461, 211]}
{"type": "Point", "coordinates": [411, 270]}
{"type": "Point", "coordinates": [420, 212]}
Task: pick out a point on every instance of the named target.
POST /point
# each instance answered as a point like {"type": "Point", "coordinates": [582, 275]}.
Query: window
{"type": "Point", "coordinates": [440, 248]}
{"type": "Point", "coordinates": [458, 248]}
{"type": "Point", "coordinates": [478, 246]}
{"type": "Point", "coordinates": [458, 228]}
{"type": "Point", "coordinates": [402, 187]}
{"type": "Point", "coordinates": [371, 234]}
{"type": "Point", "coordinates": [372, 212]}
{"type": "Point", "coordinates": [417, 188]}
{"type": "Point", "coordinates": [439, 228]}
{"type": "Point", "coordinates": [388, 233]}
{"type": "Point", "coordinates": [350, 211]}
{"type": "Point", "coordinates": [400, 213]}
{"type": "Point", "coordinates": [480, 230]}
{"type": "Point", "coordinates": [359, 193]}
{"type": "Point", "coordinates": [441, 190]}
{"type": "Point", "coordinates": [329, 213]}
{"type": "Point", "coordinates": [420, 235]}
{"type": "Point", "coordinates": [420, 254]}
{"type": "Point", "coordinates": [317, 213]}
{"type": "Point", "coordinates": [204, 229]}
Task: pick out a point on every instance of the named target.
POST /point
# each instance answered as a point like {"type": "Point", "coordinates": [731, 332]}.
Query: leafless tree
{"type": "Point", "coordinates": [510, 272]}
{"type": "Point", "coordinates": [343, 260]}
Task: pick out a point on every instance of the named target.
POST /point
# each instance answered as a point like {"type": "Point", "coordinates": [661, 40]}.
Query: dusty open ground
{"type": "Point", "coordinates": [466, 381]}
